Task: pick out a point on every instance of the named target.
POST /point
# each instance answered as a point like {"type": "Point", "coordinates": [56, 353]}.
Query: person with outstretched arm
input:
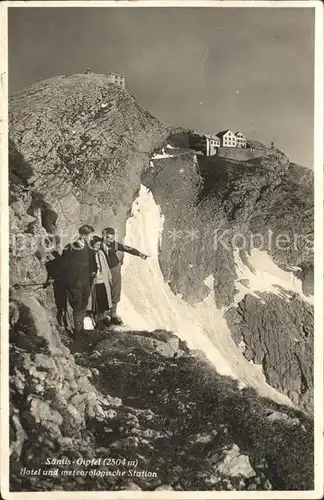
{"type": "Point", "coordinates": [110, 247]}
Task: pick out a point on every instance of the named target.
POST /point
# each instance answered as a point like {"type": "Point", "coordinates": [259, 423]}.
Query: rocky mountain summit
{"type": "Point", "coordinates": [80, 147]}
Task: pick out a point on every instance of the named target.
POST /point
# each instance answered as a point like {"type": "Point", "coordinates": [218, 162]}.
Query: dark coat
{"type": "Point", "coordinates": [78, 264]}
{"type": "Point", "coordinates": [111, 250]}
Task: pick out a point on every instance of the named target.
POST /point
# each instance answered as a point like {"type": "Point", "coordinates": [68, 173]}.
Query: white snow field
{"type": "Point", "coordinates": [147, 302]}
{"type": "Point", "coordinates": [265, 276]}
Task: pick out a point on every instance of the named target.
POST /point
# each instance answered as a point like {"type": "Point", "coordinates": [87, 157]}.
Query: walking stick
{"type": "Point", "coordinates": [22, 285]}
{"type": "Point", "coordinates": [44, 285]}
{"type": "Point", "coordinates": [96, 306]}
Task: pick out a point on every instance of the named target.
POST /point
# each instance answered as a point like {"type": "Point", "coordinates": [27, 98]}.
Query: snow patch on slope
{"type": "Point", "coordinates": [260, 274]}
{"type": "Point", "coordinates": [156, 156]}
{"type": "Point", "coordinates": [147, 303]}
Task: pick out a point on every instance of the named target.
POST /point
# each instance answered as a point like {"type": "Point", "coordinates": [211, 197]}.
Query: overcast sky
{"type": "Point", "coordinates": [249, 69]}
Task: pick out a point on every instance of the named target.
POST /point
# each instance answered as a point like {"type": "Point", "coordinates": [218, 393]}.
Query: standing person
{"type": "Point", "coordinates": [110, 246]}
{"type": "Point", "coordinates": [78, 268]}
{"type": "Point", "coordinates": [101, 302]}
{"type": "Point", "coordinates": [54, 277]}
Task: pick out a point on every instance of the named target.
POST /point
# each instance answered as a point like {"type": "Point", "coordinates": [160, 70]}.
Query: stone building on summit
{"type": "Point", "coordinates": [118, 79]}
{"type": "Point", "coordinates": [225, 139]}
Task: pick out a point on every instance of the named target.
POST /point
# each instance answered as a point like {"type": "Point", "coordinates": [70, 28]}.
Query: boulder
{"type": "Point", "coordinates": [233, 463]}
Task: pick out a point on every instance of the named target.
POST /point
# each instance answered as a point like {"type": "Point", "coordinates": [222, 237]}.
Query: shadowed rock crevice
{"type": "Point", "coordinates": [19, 170]}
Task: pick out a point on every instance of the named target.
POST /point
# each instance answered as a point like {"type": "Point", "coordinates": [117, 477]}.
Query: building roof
{"type": "Point", "coordinates": [237, 133]}
{"type": "Point", "coordinates": [212, 136]}
{"type": "Point", "coordinates": [223, 132]}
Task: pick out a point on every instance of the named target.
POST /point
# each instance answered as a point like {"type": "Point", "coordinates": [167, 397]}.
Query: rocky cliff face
{"type": "Point", "coordinates": [217, 213]}
{"type": "Point", "coordinates": [79, 149]}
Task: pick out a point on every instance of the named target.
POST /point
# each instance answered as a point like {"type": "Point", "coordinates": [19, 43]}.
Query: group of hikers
{"type": "Point", "coordinates": [88, 275]}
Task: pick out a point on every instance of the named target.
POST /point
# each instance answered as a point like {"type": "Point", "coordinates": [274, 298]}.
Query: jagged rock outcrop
{"type": "Point", "coordinates": [212, 207]}
{"type": "Point", "coordinates": [280, 338]}
{"type": "Point", "coordinates": [215, 200]}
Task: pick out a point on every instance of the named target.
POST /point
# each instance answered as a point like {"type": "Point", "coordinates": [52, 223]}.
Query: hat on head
{"type": "Point", "coordinates": [95, 239]}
